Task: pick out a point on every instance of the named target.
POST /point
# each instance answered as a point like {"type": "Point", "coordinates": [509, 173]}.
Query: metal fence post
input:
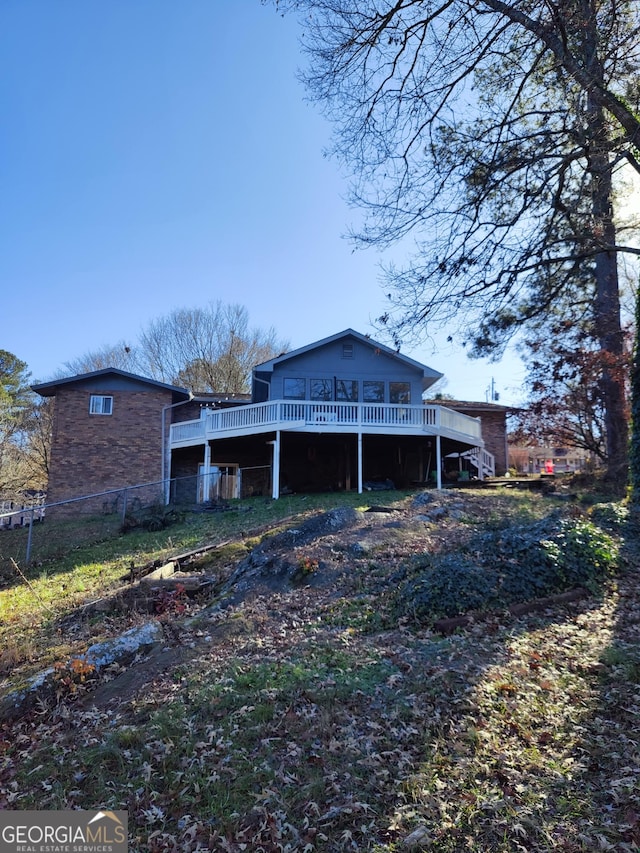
{"type": "Point", "coordinates": [29, 537]}
{"type": "Point", "coordinates": [124, 505]}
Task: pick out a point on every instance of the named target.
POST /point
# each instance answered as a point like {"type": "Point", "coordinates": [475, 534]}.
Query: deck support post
{"type": "Point", "coordinates": [206, 486]}
{"type": "Point", "coordinates": [275, 473]}
{"type": "Point", "coordinates": [347, 467]}
{"type": "Point", "coordinates": [438, 463]}
{"type": "Point", "coordinates": [359, 463]}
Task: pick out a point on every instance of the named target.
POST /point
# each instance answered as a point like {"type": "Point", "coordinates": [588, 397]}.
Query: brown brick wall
{"type": "Point", "coordinates": [494, 432]}
{"type": "Point", "coordinates": [188, 411]}
{"type": "Point", "coordinates": [93, 453]}
{"type": "Point", "coordinates": [494, 427]}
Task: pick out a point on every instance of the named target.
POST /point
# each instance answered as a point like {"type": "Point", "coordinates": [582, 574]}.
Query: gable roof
{"type": "Point", "coordinates": [429, 375]}
{"type": "Point", "coordinates": [50, 389]}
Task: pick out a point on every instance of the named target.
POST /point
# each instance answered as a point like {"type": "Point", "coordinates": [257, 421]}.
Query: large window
{"type": "Point", "coordinates": [347, 390]}
{"type": "Point", "coordinates": [321, 389]}
{"type": "Point", "coordinates": [399, 392]}
{"type": "Point", "coordinates": [373, 391]}
{"type": "Point", "coordinates": [294, 389]}
{"type": "Point", "coordinates": [99, 405]}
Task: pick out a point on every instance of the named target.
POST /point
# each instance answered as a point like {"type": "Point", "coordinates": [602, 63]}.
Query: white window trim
{"type": "Point", "coordinates": [98, 404]}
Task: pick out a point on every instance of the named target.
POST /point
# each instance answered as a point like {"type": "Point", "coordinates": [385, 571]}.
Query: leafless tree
{"type": "Point", "coordinates": [36, 445]}
{"type": "Point", "coordinates": [122, 356]}
{"type": "Point", "coordinates": [204, 349]}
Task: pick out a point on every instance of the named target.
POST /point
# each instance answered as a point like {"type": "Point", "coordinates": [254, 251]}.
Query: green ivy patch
{"type": "Point", "coordinates": [510, 566]}
{"type": "Point", "coordinates": [612, 516]}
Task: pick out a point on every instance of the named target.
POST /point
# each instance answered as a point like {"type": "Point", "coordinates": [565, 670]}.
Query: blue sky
{"type": "Point", "coordinates": [157, 155]}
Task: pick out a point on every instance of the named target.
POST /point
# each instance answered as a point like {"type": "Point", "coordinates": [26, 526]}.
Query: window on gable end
{"type": "Point", "coordinates": [321, 389]}
{"type": "Point", "coordinates": [347, 390]}
{"type": "Point", "coordinates": [399, 392]}
{"type": "Point", "coordinates": [373, 391]}
{"type": "Point", "coordinates": [294, 388]}
{"type": "Point", "coordinates": [100, 405]}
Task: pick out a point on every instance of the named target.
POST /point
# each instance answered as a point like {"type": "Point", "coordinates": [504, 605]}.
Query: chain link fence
{"type": "Point", "coordinates": [41, 532]}
{"type": "Point", "coordinates": [44, 532]}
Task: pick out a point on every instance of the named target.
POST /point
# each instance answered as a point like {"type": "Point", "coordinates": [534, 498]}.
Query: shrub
{"type": "Point", "coordinates": [610, 515]}
{"type": "Point", "coordinates": [582, 553]}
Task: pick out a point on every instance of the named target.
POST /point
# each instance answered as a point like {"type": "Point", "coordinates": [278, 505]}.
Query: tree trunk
{"type": "Point", "coordinates": [634, 448]}
{"type": "Point", "coordinates": [610, 337]}
{"type": "Point", "coordinates": [607, 298]}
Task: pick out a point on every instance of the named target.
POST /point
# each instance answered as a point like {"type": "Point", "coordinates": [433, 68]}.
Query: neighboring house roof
{"type": "Point", "coordinates": [551, 449]}
{"type": "Point", "coordinates": [206, 397]}
{"type": "Point", "coordinates": [50, 389]}
{"type": "Point", "coordinates": [430, 376]}
{"type": "Point", "coordinates": [474, 405]}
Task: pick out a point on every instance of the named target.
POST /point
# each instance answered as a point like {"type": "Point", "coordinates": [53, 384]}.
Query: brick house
{"type": "Point", "coordinates": [341, 413]}
{"type": "Point", "coordinates": [108, 429]}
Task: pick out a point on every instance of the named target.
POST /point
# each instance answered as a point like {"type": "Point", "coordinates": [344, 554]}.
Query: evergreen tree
{"type": "Point", "coordinates": [17, 408]}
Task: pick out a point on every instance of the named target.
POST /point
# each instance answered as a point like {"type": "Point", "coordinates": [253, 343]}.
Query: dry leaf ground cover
{"type": "Point", "coordinates": [310, 709]}
{"type": "Point", "coordinates": [40, 603]}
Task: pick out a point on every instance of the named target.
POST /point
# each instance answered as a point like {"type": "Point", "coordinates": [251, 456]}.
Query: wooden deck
{"type": "Point", "coordinates": [318, 417]}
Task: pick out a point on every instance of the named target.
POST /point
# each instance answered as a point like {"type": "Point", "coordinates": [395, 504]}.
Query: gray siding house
{"type": "Point", "coordinates": [348, 368]}
{"type": "Point", "coordinates": [344, 412]}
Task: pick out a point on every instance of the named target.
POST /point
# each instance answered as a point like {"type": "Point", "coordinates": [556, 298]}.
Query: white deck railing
{"type": "Point", "coordinates": [484, 461]}
{"type": "Point", "coordinates": [329, 417]}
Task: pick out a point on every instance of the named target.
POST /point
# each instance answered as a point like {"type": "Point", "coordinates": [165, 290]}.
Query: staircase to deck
{"type": "Point", "coordinates": [482, 460]}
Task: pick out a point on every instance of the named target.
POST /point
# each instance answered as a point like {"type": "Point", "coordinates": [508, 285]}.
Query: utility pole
{"type": "Point", "coordinates": [491, 394]}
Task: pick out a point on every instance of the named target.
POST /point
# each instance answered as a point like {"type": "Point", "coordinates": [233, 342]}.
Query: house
{"type": "Point", "coordinates": [534, 459]}
{"type": "Point", "coordinates": [27, 507]}
{"type": "Point", "coordinates": [108, 432]}
{"type": "Point", "coordinates": [344, 412]}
